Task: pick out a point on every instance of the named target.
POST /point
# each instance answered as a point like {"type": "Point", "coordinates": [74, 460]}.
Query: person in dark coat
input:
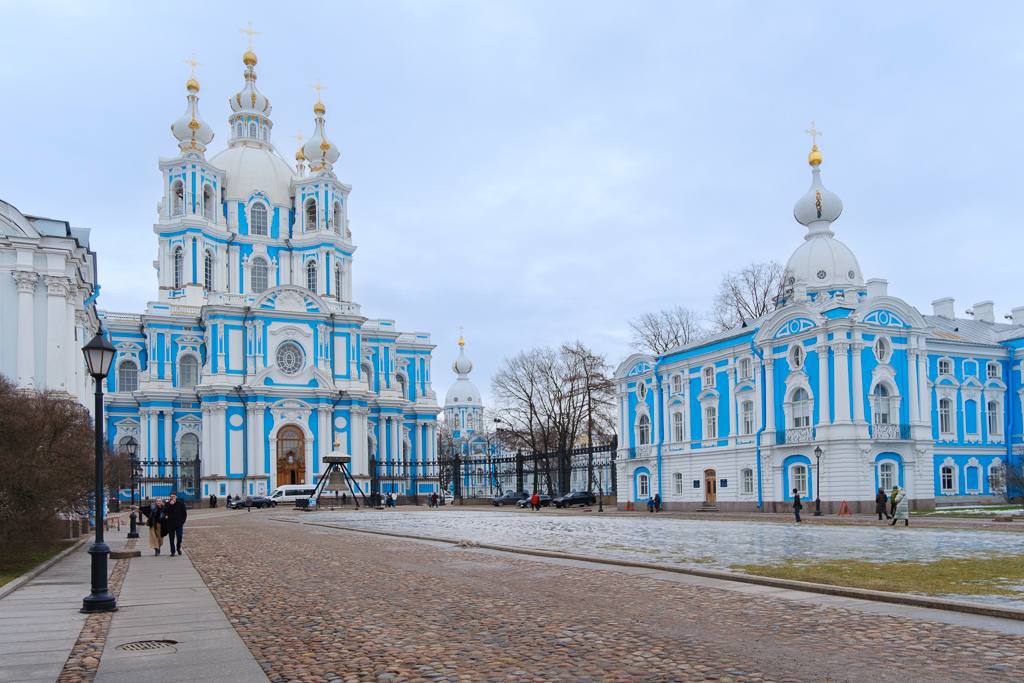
{"type": "Point", "coordinates": [213, 500]}
{"type": "Point", "coordinates": [797, 505]}
{"type": "Point", "coordinates": [153, 512]}
{"type": "Point", "coordinates": [880, 500]}
{"type": "Point", "coordinates": [657, 502]}
{"type": "Point", "coordinates": [174, 517]}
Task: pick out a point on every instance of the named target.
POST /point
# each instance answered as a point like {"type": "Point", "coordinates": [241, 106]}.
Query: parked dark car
{"type": "Point", "coordinates": [509, 498]}
{"type": "Point", "coordinates": [581, 498]}
{"type": "Point", "coordinates": [545, 501]}
{"type": "Point", "coordinates": [252, 502]}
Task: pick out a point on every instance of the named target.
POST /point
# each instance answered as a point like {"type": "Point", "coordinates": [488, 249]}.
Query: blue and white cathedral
{"type": "Point", "coordinates": [931, 403]}
{"type": "Point", "coordinates": [256, 361]}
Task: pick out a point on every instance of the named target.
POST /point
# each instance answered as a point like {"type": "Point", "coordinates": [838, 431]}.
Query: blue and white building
{"type": "Point", "coordinates": [255, 359]}
{"type": "Point", "coordinates": [468, 430]}
{"type": "Point", "coordinates": [932, 403]}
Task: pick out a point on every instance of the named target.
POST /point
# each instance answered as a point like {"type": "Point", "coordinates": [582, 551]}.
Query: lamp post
{"type": "Point", "coordinates": [99, 355]}
{"type": "Point", "coordinates": [817, 475]}
{"type": "Point", "coordinates": [130, 447]}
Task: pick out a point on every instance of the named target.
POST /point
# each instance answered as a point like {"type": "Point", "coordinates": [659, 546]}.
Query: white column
{"type": "Point", "coordinates": [56, 337]}
{"type": "Point", "coordinates": [26, 363]}
{"type": "Point", "coordinates": [143, 451]}
{"type": "Point", "coordinates": [913, 391]}
{"type": "Point", "coordinates": [168, 434]}
{"type": "Point", "coordinates": [323, 423]}
{"type": "Point", "coordinates": [769, 388]}
{"type": "Point", "coordinates": [922, 378]}
{"type": "Point", "coordinates": [858, 383]}
{"type": "Point", "coordinates": [842, 382]}
{"type": "Point", "coordinates": [205, 456]}
{"type": "Point", "coordinates": [258, 428]}
{"type": "Point", "coordinates": [733, 412]}
{"type": "Point", "coordinates": [72, 356]}
{"type": "Point", "coordinates": [823, 398]}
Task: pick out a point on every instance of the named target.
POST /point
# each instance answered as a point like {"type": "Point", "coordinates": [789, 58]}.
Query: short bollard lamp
{"type": "Point", "coordinates": [99, 355]}
{"type": "Point", "coordinates": [130, 448]}
{"type": "Point", "coordinates": [817, 485]}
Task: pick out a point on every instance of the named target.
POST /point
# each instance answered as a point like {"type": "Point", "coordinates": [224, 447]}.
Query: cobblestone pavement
{"type": "Point", "coordinates": [319, 605]}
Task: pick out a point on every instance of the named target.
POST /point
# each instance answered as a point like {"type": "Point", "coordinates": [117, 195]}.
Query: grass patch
{"type": "Point", "coordinates": [992, 575]}
{"type": "Point", "coordinates": [17, 561]}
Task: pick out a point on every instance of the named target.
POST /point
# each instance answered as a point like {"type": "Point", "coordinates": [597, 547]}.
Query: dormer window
{"type": "Point", "coordinates": [238, 130]}
{"type": "Point", "coordinates": [258, 218]}
{"type": "Point", "coordinates": [310, 210]}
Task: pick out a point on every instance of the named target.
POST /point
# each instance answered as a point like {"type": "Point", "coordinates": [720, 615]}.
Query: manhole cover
{"type": "Point", "coordinates": [146, 645]}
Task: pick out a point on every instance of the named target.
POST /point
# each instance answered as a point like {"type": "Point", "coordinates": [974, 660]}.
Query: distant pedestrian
{"type": "Point", "coordinates": [797, 505]}
{"type": "Point", "coordinates": [152, 513]}
{"type": "Point", "coordinates": [433, 499]}
{"type": "Point", "coordinates": [902, 504]}
{"type": "Point", "coordinates": [892, 501]}
{"type": "Point", "coordinates": [657, 502]}
{"type": "Point", "coordinates": [650, 504]}
{"type": "Point", "coordinates": [880, 504]}
{"type": "Point", "coordinates": [213, 500]}
{"type": "Point", "coordinates": [174, 517]}
{"type": "Point", "coordinates": [535, 502]}
{"type": "Point", "coordinates": [344, 498]}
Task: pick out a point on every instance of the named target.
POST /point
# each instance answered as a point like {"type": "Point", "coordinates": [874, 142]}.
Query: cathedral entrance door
{"type": "Point", "coordinates": [291, 456]}
{"type": "Point", "coordinates": [710, 487]}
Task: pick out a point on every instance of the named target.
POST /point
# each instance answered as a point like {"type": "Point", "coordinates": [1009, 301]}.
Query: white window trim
{"type": "Point", "coordinates": [989, 366]}
{"type": "Point", "coordinates": [973, 462]}
{"type": "Point", "coordinates": [677, 484]}
{"type": "Point", "coordinates": [745, 428]}
{"type": "Point", "coordinates": [650, 429]}
{"type": "Point", "coordinates": [706, 381]}
{"type": "Point", "coordinates": [952, 414]}
{"type": "Point", "coordinates": [792, 479]}
{"type": "Point", "coordinates": [789, 405]}
{"type": "Point", "coordinates": [998, 413]}
{"type": "Point", "coordinates": [709, 434]}
{"type": "Point", "coordinates": [747, 477]}
{"type": "Point", "coordinates": [938, 367]}
{"type": "Point", "coordinates": [797, 349]}
{"type": "Point", "coordinates": [643, 485]}
{"type": "Point", "coordinates": [681, 436]}
{"type": "Point", "coordinates": [949, 462]}
{"type": "Point", "coordinates": [895, 474]}
{"type": "Point", "coordinates": [252, 221]}
{"type": "Point", "coordinates": [996, 464]}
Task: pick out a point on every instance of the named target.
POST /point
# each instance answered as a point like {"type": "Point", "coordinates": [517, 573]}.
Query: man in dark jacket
{"type": "Point", "coordinates": [797, 505]}
{"type": "Point", "coordinates": [175, 514]}
{"type": "Point", "coordinates": [880, 500]}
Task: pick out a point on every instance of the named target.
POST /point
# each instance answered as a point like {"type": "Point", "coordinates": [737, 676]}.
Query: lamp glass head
{"type": "Point", "coordinates": [99, 355]}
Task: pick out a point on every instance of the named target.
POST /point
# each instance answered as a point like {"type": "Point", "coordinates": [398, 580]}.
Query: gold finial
{"type": "Point", "coordinates": [319, 107]}
{"type": "Point", "coordinates": [814, 158]}
{"type": "Point", "coordinates": [462, 339]}
{"type": "Point", "coordinates": [249, 58]}
{"type": "Point", "coordinates": [192, 84]}
{"type": "Point", "coordinates": [300, 155]}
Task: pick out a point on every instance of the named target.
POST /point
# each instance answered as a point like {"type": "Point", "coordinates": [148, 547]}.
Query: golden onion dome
{"type": "Point", "coordinates": [249, 58]}
{"type": "Point", "coordinates": [814, 157]}
{"type": "Point", "coordinates": [319, 108]}
{"type": "Point", "coordinates": [192, 85]}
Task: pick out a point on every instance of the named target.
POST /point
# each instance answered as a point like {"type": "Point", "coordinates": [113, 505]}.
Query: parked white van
{"type": "Point", "coordinates": [291, 493]}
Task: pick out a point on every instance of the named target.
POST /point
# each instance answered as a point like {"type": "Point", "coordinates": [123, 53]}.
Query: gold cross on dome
{"type": "Point", "coordinates": [814, 133]}
{"type": "Point", "coordinates": [319, 87]}
{"type": "Point", "coordinates": [250, 32]}
{"type": "Point", "coordinates": [193, 63]}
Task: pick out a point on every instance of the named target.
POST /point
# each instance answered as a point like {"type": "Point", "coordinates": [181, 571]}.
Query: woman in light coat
{"type": "Point", "coordinates": [153, 512]}
{"type": "Point", "coordinates": [902, 504]}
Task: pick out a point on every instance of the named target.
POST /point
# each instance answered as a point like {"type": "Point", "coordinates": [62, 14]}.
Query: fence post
{"type": "Point", "coordinates": [374, 481]}
{"type": "Point", "coordinates": [564, 471]}
{"type": "Point", "coordinates": [457, 468]}
{"type": "Point", "coordinates": [615, 470]}
{"type": "Point", "coordinates": [519, 471]}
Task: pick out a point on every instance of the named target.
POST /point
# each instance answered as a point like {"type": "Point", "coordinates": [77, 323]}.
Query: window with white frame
{"type": "Point", "coordinates": [337, 281]}
{"type": "Point", "coordinates": [996, 477]}
{"type": "Point", "coordinates": [641, 390]}
{"type": "Point", "coordinates": [746, 368]}
{"type": "Point", "coordinates": [310, 209]}
{"type": "Point", "coordinates": [880, 409]}
{"type": "Point", "coordinates": [945, 366]}
{"type": "Point", "coordinates": [128, 376]}
{"type": "Point", "coordinates": [709, 377]}
{"type": "Point", "coordinates": [747, 417]}
{"type": "Point", "coordinates": [887, 475]}
{"type": "Point", "coordinates": [798, 475]}
{"type": "Point", "coordinates": [882, 349]}
{"type": "Point", "coordinates": [311, 275]}
{"type": "Point", "coordinates": [208, 202]}
{"type": "Point", "coordinates": [177, 198]}
{"type": "Point", "coordinates": [677, 384]}
{"type": "Point", "coordinates": [188, 372]}
{"type": "Point", "coordinates": [992, 370]}
{"type": "Point", "coordinates": [208, 270]}
{"type": "Point", "coordinates": [710, 422]}
{"type": "Point", "coordinates": [747, 481]}
{"type": "Point", "coordinates": [994, 415]}
{"type": "Point", "coordinates": [677, 483]}
{"type": "Point", "coordinates": [801, 408]}
{"type": "Point", "coordinates": [947, 479]}
{"type": "Point", "coordinates": [945, 416]}
{"type": "Point", "coordinates": [643, 430]}
{"type": "Point", "coordinates": [797, 356]}
{"type": "Point", "coordinates": [643, 485]}
{"type": "Point", "coordinates": [252, 130]}
{"type": "Point", "coordinates": [259, 275]}
{"type": "Point", "coordinates": [678, 427]}
{"type": "Point", "coordinates": [258, 218]}
{"type": "Point", "coordinates": [179, 267]}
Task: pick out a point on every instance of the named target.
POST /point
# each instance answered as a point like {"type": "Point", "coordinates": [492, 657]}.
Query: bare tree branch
{"type": "Point", "coordinates": [747, 294]}
{"type": "Point", "coordinates": [665, 330]}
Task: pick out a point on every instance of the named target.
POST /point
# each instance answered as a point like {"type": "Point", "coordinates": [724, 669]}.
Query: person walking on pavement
{"type": "Point", "coordinates": [797, 505]}
{"type": "Point", "coordinates": [880, 504]}
{"type": "Point", "coordinates": [535, 502]}
{"type": "Point", "coordinates": [657, 502]}
{"type": "Point", "coordinates": [152, 513]}
{"type": "Point", "coordinates": [174, 517]}
{"type": "Point", "coordinates": [650, 504]}
{"type": "Point", "coordinates": [892, 501]}
{"type": "Point", "coordinates": [902, 505]}
{"type": "Point", "coordinates": [213, 500]}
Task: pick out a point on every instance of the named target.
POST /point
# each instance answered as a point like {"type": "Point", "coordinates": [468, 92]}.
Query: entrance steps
{"type": "Point", "coordinates": [707, 508]}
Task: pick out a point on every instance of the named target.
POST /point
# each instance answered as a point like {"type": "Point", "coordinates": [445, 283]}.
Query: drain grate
{"type": "Point", "coordinates": [146, 645]}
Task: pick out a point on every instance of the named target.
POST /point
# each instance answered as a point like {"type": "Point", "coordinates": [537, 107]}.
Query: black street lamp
{"type": "Point", "coordinates": [817, 486]}
{"type": "Point", "coordinates": [130, 447]}
{"type": "Point", "coordinates": [99, 355]}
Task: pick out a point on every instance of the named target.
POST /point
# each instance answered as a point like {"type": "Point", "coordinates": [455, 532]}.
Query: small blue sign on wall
{"type": "Point", "coordinates": [696, 483]}
{"type": "Point", "coordinates": [723, 483]}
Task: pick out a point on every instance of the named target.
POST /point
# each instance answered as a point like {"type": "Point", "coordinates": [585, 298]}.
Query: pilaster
{"type": "Point", "coordinates": [25, 281]}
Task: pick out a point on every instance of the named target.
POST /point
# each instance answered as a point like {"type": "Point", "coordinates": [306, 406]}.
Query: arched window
{"type": "Point", "coordinates": [995, 427]}
{"type": "Point", "coordinates": [678, 433]}
{"type": "Point", "coordinates": [238, 130]}
{"type": "Point", "coordinates": [252, 130]}
{"type": "Point", "coordinates": [801, 408]}
{"type": "Point", "coordinates": [207, 202]}
{"type": "Point", "coordinates": [746, 368]}
{"type": "Point", "coordinates": [887, 475]}
{"type": "Point", "coordinates": [311, 275]}
{"type": "Point", "coordinates": [258, 219]}
{"type": "Point", "coordinates": [337, 282]}
{"type": "Point", "coordinates": [799, 478]}
{"type": "Point", "coordinates": [880, 415]}
{"type": "Point", "coordinates": [188, 453]}
{"type": "Point", "coordinates": [710, 422]}
{"type": "Point", "coordinates": [709, 377]}
{"type": "Point", "coordinates": [208, 270]}
{"type": "Point", "coordinates": [188, 372]}
{"type": "Point", "coordinates": [947, 481]}
{"type": "Point", "coordinates": [945, 416]}
{"type": "Point", "coordinates": [179, 267]}
{"type": "Point", "coordinates": [945, 366]}
{"type": "Point", "coordinates": [125, 442]}
{"type": "Point", "coordinates": [677, 384]}
{"type": "Point", "coordinates": [127, 376]}
{"type": "Point", "coordinates": [643, 430]}
{"type": "Point", "coordinates": [643, 485]}
{"type": "Point", "coordinates": [992, 370]}
{"type": "Point", "coordinates": [677, 483]}
{"type": "Point", "coordinates": [259, 275]}
{"type": "Point", "coordinates": [747, 417]}
{"type": "Point", "coordinates": [337, 217]}
{"type": "Point", "coordinates": [177, 198]}
{"type": "Point", "coordinates": [367, 375]}
{"type": "Point", "coordinates": [310, 209]}
{"type": "Point", "coordinates": [403, 387]}
{"type": "Point", "coordinates": [996, 477]}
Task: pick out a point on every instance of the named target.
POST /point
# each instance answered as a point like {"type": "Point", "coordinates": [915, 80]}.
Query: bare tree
{"type": "Point", "coordinates": [1012, 484]}
{"type": "Point", "coordinates": [665, 330]}
{"type": "Point", "coordinates": [747, 294]}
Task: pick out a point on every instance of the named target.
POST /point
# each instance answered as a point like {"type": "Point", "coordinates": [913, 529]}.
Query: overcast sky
{"type": "Point", "coordinates": [543, 171]}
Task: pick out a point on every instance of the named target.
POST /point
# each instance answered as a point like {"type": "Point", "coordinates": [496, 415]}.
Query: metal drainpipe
{"type": "Point", "coordinates": [757, 437]}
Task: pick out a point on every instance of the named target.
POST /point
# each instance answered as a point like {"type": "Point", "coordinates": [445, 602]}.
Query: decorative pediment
{"type": "Point", "coordinates": [794, 326]}
{"type": "Point", "coordinates": [289, 298]}
{"type": "Point", "coordinates": [291, 331]}
{"type": "Point", "coordinates": [639, 369]}
{"type": "Point", "coordinates": [189, 423]}
{"type": "Point", "coordinates": [883, 317]}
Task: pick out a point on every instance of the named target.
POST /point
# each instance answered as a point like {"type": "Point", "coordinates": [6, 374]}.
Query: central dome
{"type": "Point", "coordinates": [250, 169]}
{"type": "Point", "coordinates": [823, 262]}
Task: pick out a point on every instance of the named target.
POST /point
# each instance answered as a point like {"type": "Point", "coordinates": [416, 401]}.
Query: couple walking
{"type": "Point", "coordinates": [899, 506]}
{"type": "Point", "coordinates": [166, 519]}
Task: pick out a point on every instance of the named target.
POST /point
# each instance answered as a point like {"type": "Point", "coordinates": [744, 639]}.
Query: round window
{"type": "Point", "coordinates": [290, 358]}
{"type": "Point", "coordinates": [821, 274]}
